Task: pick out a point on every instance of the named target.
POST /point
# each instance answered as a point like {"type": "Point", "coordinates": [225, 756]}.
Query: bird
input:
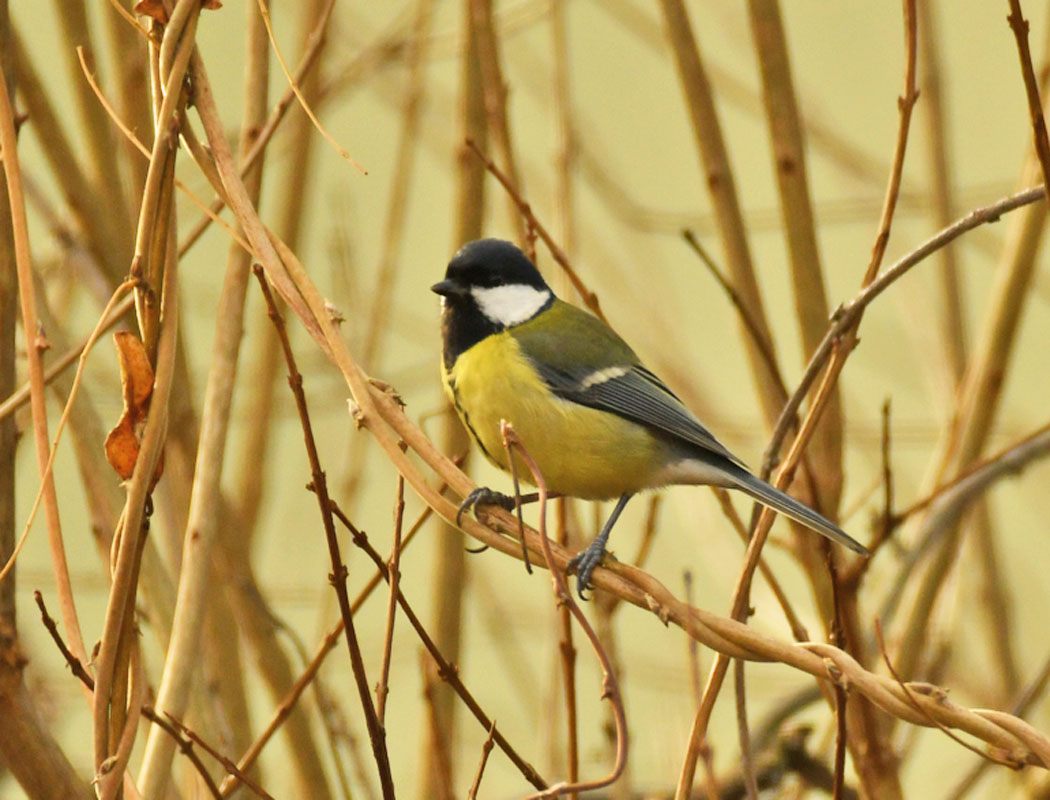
{"type": "Point", "coordinates": [598, 423]}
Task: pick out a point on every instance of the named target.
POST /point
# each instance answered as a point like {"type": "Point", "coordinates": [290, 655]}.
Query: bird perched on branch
{"type": "Point", "coordinates": [598, 423]}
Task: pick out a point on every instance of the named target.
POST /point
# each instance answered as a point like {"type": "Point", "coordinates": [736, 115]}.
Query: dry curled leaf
{"type": "Point", "coordinates": [136, 382]}
{"type": "Point", "coordinates": [152, 8]}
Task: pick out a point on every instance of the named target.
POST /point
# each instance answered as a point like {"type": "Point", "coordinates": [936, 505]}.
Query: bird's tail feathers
{"type": "Point", "coordinates": [793, 509]}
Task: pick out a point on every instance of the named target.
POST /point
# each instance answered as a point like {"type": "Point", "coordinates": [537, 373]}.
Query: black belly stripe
{"type": "Point", "coordinates": [463, 415]}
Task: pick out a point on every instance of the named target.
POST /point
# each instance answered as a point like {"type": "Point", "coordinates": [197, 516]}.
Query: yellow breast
{"type": "Point", "coordinates": [581, 452]}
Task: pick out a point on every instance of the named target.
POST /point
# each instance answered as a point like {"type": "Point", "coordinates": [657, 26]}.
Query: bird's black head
{"type": "Point", "coordinates": [489, 285]}
{"type": "Point", "coordinates": [486, 264]}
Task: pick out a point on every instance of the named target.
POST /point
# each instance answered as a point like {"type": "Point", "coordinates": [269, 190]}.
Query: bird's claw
{"type": "Point", "coordinates": [584, 563]}
{"type": "Point", "coordinates": [483, 496]}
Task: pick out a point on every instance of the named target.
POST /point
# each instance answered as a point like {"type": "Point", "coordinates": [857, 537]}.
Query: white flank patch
{"type": "Point", "coordinates": [512, 304]}
{"type": "Point", "coordinates": [603, 375]}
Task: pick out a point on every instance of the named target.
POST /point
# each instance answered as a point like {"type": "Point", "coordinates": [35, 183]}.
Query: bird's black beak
{"type": "Point", "coordinates": [447, 288]}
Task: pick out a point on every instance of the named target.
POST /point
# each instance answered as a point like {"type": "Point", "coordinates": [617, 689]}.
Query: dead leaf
{"type": "Point", "coordinates": [136, 382]}
{"type": "Point", "coordinates": [152, 8]}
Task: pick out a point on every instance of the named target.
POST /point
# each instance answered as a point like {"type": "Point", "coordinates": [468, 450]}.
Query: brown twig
{"type": "Point", "coordinates": [486, 748]}
{"type": "Point", "coordinates": [847, 314]}
{"type": "Point", "coordinates": [590, 299]}
{"type": "Point", "coordinates": [910, 695]}
{"type": "Point", "coordinates": [1019, 26]}
{"type": "Point", "coordinates": [720, 183]}
{"type": "Point", "coordinates": [35, 343]}
{"type": "Point", "coordinates": [227, 764]}
{"type": "Point", "coordinates": [76, 666]}
{"type": "Point", "coordinates": [1023, 704]}
{"type": "Point", "coordinates": [309, 673]}
{"type": "Point", "coordinates": [294, 86]}
{"type": "Point", "coordinates": [339, 575]}
{"type": "Point", "coordinates": [788, 153]}
{"type": "Point", "coordinates": [747, 765]}
{"type": "Point", "coordinates": [394, 571]}
{"type": "Point", "coordinates": [19, 398]}
{"type": "Point", "coordinates": [798, 630]}
{"type": "Point", "coordinates": [1007, 453]}
{"type": "Point", "coordinates": [747, 318]}
{"type": "Point", "coordinates": [567, 657]}
{"type": "Point", "coordinates": [448, 672]}
{"type": "Point", "coordinates": [562, 595]}
{"type": "Point", "coordinates": [494, 92]}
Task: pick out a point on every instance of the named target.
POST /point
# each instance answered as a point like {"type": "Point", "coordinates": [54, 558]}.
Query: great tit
{"type": "Point", "coordinates": [598, 423]}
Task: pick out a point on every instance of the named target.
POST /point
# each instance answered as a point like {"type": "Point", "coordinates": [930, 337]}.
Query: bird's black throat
{"type": "Point", "coordinates": [463, 326]}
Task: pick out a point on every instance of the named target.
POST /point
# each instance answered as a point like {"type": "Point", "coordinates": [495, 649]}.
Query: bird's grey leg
{"type": "Point", "coordinates": [587, 561]}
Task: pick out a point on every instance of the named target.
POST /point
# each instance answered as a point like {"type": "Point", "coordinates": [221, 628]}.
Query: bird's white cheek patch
{"type": "Point", "coordinates": [510, 305]}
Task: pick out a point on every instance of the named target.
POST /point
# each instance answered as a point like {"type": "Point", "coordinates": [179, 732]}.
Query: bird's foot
{"type": "Point", "coordinates": [584, 563]}
{"type": "Point", "coordinates": [483, 496]}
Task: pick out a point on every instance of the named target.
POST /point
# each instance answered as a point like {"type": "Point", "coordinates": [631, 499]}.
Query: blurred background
{"type": "Point", "coordinates": [606, 156]}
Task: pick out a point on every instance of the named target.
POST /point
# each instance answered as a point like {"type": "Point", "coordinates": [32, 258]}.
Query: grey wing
{"type": "Point", "coordinates": [633, 392]}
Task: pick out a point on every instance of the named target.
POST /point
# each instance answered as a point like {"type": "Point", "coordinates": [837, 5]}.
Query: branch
{"type": "Point", "coordinates": [339, 574]}
{"type": "Point", "coordinates": [1019, 26]}
{"type": "Point", "coordinates": [562, 596]}
{"type": "Point", "coordinates": [590, 299]}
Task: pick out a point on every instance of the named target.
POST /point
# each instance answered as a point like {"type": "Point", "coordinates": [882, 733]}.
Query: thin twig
{"type": "Point", "coordinates": [1019, 26]}
{"type": "Point", "coordinates": [747, 765]}
{"type": "Point", "coordinates": [394, 571]}
{"type": "Point", "coordinates": [310, 671]}
{"type": "Point", "coordinates": [339, 575]}
{"type": "Point", "coordinates": [76, 666]}
{"type": "Point", "coordinates": [747, 318]}
{"type": "Point", "coordinates": [294, 86]}
{"type": "Point", "coordinates": [227, 764]}
{"type": "Point", "coordinates": [909, 693]}
{"type": "Point", "coordinates": [486, 748]}
{"type": "Point", "coordinates": [447, 671]}
{"type": "Point", "coordinates": [562, 595]}
{"type": "Point", "coordinates": [590, 299]}
{"type": "Point", "coordinates": [35, 342]}
{"type": "Point", "coordinates": [567, 658]}
{"type": "Point", "coordinates": [844, 317]}
{"type": "Point", "coordinates": [19, 398]}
